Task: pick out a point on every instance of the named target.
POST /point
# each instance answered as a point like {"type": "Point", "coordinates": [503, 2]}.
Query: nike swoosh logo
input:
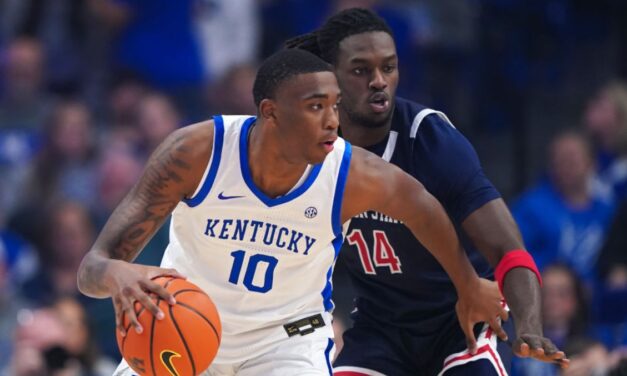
{"type": "Point", "coordinates": [221, 196]}
{"type": "Point", "coordinates": [166, 359]}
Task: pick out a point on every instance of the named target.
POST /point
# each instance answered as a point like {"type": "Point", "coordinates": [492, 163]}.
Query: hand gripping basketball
{"type": "Point", "coordinates": [184, 342]}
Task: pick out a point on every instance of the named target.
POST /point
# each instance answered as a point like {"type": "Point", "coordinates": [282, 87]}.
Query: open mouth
{"type": "Point", "coordinates": [328, 145]}
{"type": "Point", "coordinates": [379, 102]}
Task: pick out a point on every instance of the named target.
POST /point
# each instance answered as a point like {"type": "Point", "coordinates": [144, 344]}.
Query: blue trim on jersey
{"type": "Point", "coordinates": [336, 221]}
{"type": "Point", "coordinates": [243, 158]}
{"type": "Point", "coordinates": [218, 141]}
{"type": "Point", "coordinates": [327, 355]}
{"type": "Point", "coordinates": [327, 292]}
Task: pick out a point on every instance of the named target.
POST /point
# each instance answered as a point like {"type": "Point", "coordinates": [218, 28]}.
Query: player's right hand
{"type": "Point", "coordinates": [480, 302]}
{"type": "Point", "coordinates": [128, 283]}
{"type": "Point", "coordinates": [540, 348]}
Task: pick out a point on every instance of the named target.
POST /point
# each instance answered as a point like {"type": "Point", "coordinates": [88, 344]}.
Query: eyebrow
{"type": "Point", "coordinates": [361, 60]}
{"type": "Point", "coordinates": [320, 95]}
{"type": "Point", "coordinates": [316, 95]}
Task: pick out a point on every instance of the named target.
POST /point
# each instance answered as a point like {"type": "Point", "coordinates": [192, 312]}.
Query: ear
{"type": "Point", "coordinates": [267, 109]}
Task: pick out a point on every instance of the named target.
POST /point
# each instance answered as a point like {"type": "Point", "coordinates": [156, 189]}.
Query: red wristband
{"type": "Point", "coordinates": [515, 259]}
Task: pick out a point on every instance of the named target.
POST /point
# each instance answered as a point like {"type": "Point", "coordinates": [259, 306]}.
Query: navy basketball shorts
{"type": "Point", "coordinates": [375, 350]}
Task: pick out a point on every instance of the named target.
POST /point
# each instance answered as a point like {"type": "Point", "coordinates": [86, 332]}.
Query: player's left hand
{"type": "Point", "coordinates": [480, 301]}
{"type": "Point", "coordinates": [540, 348]}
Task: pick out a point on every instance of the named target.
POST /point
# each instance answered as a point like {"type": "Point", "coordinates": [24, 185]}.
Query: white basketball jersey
{"type": "Point", "coordinates": [264, 261]}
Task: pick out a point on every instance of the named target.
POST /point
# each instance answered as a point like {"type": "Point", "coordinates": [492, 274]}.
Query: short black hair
{"type": "Point", "coordinates": [282, 66]}
{"type": "Point", "coordinates": [325, 41]}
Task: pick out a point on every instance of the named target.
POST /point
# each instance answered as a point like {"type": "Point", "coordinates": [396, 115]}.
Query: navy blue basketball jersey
{"type": "Point", "coordinates": [381, 253]}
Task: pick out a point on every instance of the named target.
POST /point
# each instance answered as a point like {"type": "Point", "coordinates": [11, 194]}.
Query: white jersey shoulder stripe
{"type": "Point", "coordinates": [390, 146]}
{"type": "Point", "coordinates": [355, 371]}
{"type": "Point", "coordinates": [212, 167]}
{"type": "Point", "coordinates": [420, 117]}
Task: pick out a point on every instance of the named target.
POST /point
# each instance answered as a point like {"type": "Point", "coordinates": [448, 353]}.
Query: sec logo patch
{"type": "Point", "coordinates": [311, 212]}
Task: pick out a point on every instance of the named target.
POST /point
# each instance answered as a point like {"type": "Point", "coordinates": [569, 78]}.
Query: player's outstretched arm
{"type": "Point", "coordinates": [374, 184]}
{"type": "Point", "coordinates": [494, 232]}
{"type": "Point", "coordinates": [173, 172]}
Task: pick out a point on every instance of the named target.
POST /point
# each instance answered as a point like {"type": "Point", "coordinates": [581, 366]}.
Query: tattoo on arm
{"type": "Point", "coordinates": [169, 176]}
{"type": "Point", "coordinates": [148, 204]}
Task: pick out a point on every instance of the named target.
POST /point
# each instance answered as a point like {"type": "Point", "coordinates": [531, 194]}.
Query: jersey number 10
{"type": "Point", "coordinates": [383, 253]}
{"type": "Point", "coordinates": [253, 263]}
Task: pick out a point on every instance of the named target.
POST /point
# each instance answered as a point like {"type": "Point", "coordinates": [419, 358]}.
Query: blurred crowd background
{"type": "Point", "coordinates": [88, 88]}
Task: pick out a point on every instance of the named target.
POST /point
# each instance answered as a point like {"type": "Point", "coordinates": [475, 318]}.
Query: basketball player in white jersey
{"type": "Point", "coordinates": [259, 205]}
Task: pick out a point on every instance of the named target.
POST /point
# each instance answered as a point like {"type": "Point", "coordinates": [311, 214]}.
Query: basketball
{"type": "Point", "coordinates": [183, 343]}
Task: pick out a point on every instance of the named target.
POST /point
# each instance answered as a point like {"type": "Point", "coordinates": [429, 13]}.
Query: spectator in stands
{"type": "Point", "coordinates": [588, 357]}
{"type": "Point", "coordinates": [232, 95]}
{"type": "Point", "coordinates": [118, 171]}
{"type": "Point", "coordinates": [67, 33]}
{"type": "Point", "coordinates": [123, 100]}
{"type": "Point", "coordinates": [157, 118]}
{"type": "Point", "coordinates": [24, 104]}
{"type": "Point", "coordinates": [18, 262]}
{"type": "Point", "coordinates": [611, 303]}
{"type": "Point", "coordinates": [222, 45]}
{"type": "Point", "coordinates": [68, 233]}
{"type": "Point", "coordinates": [65, 166]}
{"type": "Point", "coordinates": [55, 340]}
{"type": "Point", "coordinates": [176, 46]}
{"type": "Point", "coordinates": [606, 120]}
{"type": "Point", "coordinates": [565, 309]}
{"type": "Point", "coordinates": [119, 126]}
{"type": "Point", "coordinates": [565, 316]}
{"type": "Point", "coordinates": [613, 259]}
{"type": "Point", "coordinates": [561, 218]}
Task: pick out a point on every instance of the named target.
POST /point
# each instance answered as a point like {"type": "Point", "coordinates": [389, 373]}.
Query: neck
{"type": "Point", "coordinates": [273, 171]}
{"type": "Point", "coordinates": [361, 136]}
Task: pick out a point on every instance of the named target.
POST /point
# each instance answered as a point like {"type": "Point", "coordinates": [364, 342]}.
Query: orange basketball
{"type": "Point", "coordinates": [183, 343]}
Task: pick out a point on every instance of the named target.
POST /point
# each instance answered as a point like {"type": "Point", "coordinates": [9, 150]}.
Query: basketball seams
{"type": "Point", "coordinates": [189, 353]}
{"type": "Point", "coordinates": [137, 346]}
{"type": "Point", "coordinates": [152, 329]}
{"type": "Point", "coordinates": [215, 331]}
{"type": "Point", "coordinates": [137, 314]}
{"type": "Point", "coordinates": [152, 332]}
{"type": "Point", "coordinates": [189, 290]}
{"type": "Point", "coordinates": [167, 283]}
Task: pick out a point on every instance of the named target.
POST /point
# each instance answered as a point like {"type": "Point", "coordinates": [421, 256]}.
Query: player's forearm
{"type": "Point", "coordinates": [435, 231]}
{"type": "Point", "coordinates": [522, 293]}
{"type": "Point", "coordinates": [122, 239]}
{"type": "Point", "coordinates": [493, 231]}
{"type": "Point", "coordinates": [92, 274]}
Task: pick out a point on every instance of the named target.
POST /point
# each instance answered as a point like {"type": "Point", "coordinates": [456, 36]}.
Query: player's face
{"type": "Point", "coordinates": [307, 115]}
{"type": "Point", "coordinates": [367, 71]}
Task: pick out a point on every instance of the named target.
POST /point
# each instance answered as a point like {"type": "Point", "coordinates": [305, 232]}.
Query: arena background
{"type": "Point", "coordinates": [88, 88]}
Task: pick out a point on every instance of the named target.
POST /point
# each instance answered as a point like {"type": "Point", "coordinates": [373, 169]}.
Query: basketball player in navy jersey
{"type": "Point", "coordinates": [258, 206]}
{"type": "Point", "coordinates": [404, 317]}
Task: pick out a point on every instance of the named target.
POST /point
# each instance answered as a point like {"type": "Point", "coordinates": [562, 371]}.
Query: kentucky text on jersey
{"type": "Point", "coordinates": [254, 231]}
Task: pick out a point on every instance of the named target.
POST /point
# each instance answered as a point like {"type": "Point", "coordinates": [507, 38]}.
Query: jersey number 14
{"type": "Point", "coordinates": [382, 255]}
